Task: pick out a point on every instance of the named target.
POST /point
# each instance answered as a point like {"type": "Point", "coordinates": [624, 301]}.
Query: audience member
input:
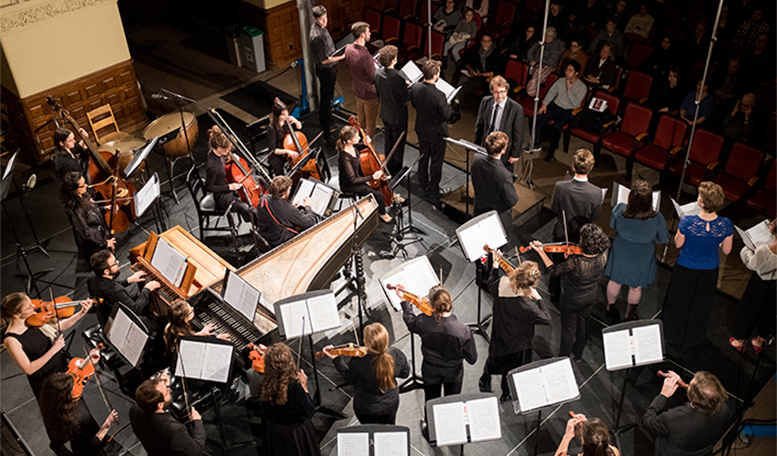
{"type": "Point", "coordinates": [725, 25]}
{"type": "Point", "coordinates": [620, 14]}
{"type": "Point", "coordinates": [492, 183]}
{"type": "Point", "coordinates": [480, 7]}
{"type": "Point", "coordinates": [696, 46]}
{"type": "Point", "coordinates": [602, 71]}
{"type": "Point", "coordinates": [750, 29]}
{"type": "Point", "coordinates": [575, 52]}
{"type": "Point", "coordinates": [519, 48]}
{"type": "Point", "coordinates": [662, 57]}
{"type": "Point", "coordinates": [465, 29]}
{"type": "Point", "coordinates": [728, 86]}
{"type": "Point", "coordinates": [609, 34]}
{"type": "Point", "coordinates": [640, 25]}
{"type": "Point", "coordinates": [706, 104]}
{"type": "Point", "coordinates": [554, 48]}
{"type": "Point", "coordinates": [758, 63]}
{"type": "Point", "coordinates": [667, 94]}
{"type": "Point", "coordinates": [594, 437]}
{"type": "Point", "coordinates": [558, 20]}
{"type": "Point", "coordinates": [740, 124]}
{"type": "Point", "coordinates": [501, 113]}
{"type": "Point", "coordinates": [588, 13]}
{"type": "Point", "coordinates": [362, 67]}
{"type": "Point", "coordinates": [482, 63]}
{"type": "Point", "coordinates": [446, 18]}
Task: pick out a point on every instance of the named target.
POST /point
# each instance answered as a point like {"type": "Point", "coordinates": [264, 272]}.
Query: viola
{"type": "Point", "coordinates": [373, 162]}
{"type": "Point", "coordinates": [348, 350]}
{"type": "Point", "coordinates": [500, 260]}
{"type": "Point", "coordinates": [569, 249]}
{"type": "Point", "coordinates": [680, 382]}
{"type": "Point", "coordinates": [421, 303]}
{"type": "Point", "coordinates": [104, 170]}
{"type": "Point", "coordinates": [81, 370]}
{"type": "Point", "coordinates": [256, 357]}
{"type": "Point", "coordinates": [62, 307]}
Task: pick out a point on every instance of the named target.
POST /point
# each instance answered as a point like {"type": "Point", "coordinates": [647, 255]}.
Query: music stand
{"type": "Point", "coordinates": [179, 100]}
{"type": "Point", "coordinates": [468, 146]}
{"type": "Point", "coordinates": [139, 157]}
{"type": "Point", "coordinates": [418, 277]}
{"type": "Point", "coordinates": [126, 334]}
{"type": "Point", "coordinates": [400, 229]}
{"type": "Point", "coordinates": [628, 345]}
{"type": "Point", "coordinates": [374, 440]}
{"type": "Point", "coordinates": [463, 418]}
{"type": "Point", "coordinates": [485, 230]}
{"type": "Point", "coordinates": [532, 391]}
{"type": "Point", "coordinates": [307, 314]}
{"type": "Point", "coordinates": [149, 195]}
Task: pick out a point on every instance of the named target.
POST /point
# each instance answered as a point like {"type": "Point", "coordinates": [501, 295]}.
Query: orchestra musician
{"type": "Point", "coordinates": [70, 156]}
{"type": "Point", "coordinates": [29, 347]}
{"type": "Point", "coordinates": [68, 420]}
{"type": "Point", "coordinates": [286, 406]}
{"type": "Point", "coordinates": [579, 286]}
{"type": "Point", "coordinates": [393, 93]}
{"type": "Point", "coordinates": [376, 399]}
{"type": "Point", "coordinates": [323, 47]}
{"type": "Point", "coordinates": [88, 223]}
{"type": "Point", "coordinates": [594, 436]}
{"type": "Point", "coordinates": [158, 431]}
{"type": "Point", "coordinates": [216, 176]}
{"type": "Point", "coordinates": [517, 309]}
{"type": "Point", "coordinates": [180, 315]}
{"type": "Point", "coordinates": [276, 132]}
{"type": "Point", "coordinates": [492, 182]}
{"type": "Point", "coordinates": [278, 219]}
{"type": "Point", "coordinates": [352, 178]}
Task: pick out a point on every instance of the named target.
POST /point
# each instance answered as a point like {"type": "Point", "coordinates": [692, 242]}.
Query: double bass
{"type": "Point", "coordinates": [373, 162]}
{"type": "Point", "coordinates": [104, 170]}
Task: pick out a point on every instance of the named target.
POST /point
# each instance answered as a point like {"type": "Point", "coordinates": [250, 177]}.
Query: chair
{"type": "Point", "coordinates": [705, 150]}
{"type": "Point", "coordinates": [667, 143]}
{"type": "Point", "coordinates": [438, 42]}
{"type": "Point", "coordinates": [637, 86]}
{"type": "Point", "coordinates": [391, 29]}
{"type": "Point", "coordinates": [516, 73]}
{"type": "Point", "coordinates": [374, 18]}
{"type": "Point", "coordinates": [531, 11]}
{"type": "Point", "coordinates": [206, 209]}
{"type": "Point", "coordinates": [762, 197]}
{"type": "Point", "coordinates": [613, 105]}
{"type": "Point", "coordinates": [100, 119]}
{"type": "Point", "coordinates": [503, 20]}
{"type": "Point", "coordinates": [410, 45]}
{"type": "Point", "coordinates": [631, 134]}
{"type": "Point", "coordinates": [406, 9]}
{"type": "Point", "coordinates": [769, 142]}
{"type": "Point", "coordinates": [423, 16]}
{"type": "Point", "coordinates": [697, 72]}
{"type": "Point", "coordinates": [528, 102]}
{"type": "Point", "coordinates": [638, 53]}
{"type": "Point", "coordinates": [742, 166]}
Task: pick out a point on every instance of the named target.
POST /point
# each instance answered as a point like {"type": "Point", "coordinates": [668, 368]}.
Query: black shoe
{"type": "Point", "coordinates": [425, 430]}
{"type": "Point", "coordinates": [549, 158]}
{"type": "Point", "coordinates": [484, 383]}
{"type": "Point", "coordinates": [505, 397]}
{"type": "Point", "coordinates": [613, 316]}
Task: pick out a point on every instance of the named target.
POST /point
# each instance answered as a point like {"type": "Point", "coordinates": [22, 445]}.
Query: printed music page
{"type": "Point", "coordinates": [169, 262]}
{"type": "Point", "coordinates": [417, 277]}
{"type": "Point", "coordinates": [411, 72]}
{"type": "Point", "coordinates": [617, 349]}
{"type": "Point", "coordinates": [146, 195]}
{"type": "Point", "coordinates": [493, 234]}
{"type": "Point", "coordinates": [390, 443]}
{"type": "Point", "coordinates": [353, 443]}
{"type": "Point", "coordinates": [241, 296]}
{"type": "Point", "coordinates": [216, 362]}
{"type": "Point", "coordinates": [530, 389]}
{"type": "Point", "coordinates": [320, 199]}
{"type": "Point", "coordinates": [305, 188]}
{"type": "Point", "coordinates": [647, 344]}
{"type": "Point", "coordinates": [323, 313]}
{"type": "Point", "coordinates": [449, 423]}
{"type": "Point", "coordinates": [686, 209]}
{"type": "Point", "coordinates": [560, 381]}
{"type": "Point", "coordinates": [189, 362]}
{"type": "Point", "coordinates": [127, 337]}
{"type": "Point", "coordinates": [483, 417]}
{"type": "Point", "coordinates": [292, 316]}
{"type": "Point", "coordinates": [756, 236]}
{"type": "Point", "coordinates": [472, 241]}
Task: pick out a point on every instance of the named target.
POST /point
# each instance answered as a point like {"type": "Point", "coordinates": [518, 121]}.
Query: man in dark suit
{"type": "Point", "coordinates": [393, 93]}
{"type": "Point", "coordinates": [602, 72]}
{"type": "Point", "coordinates": [500, 113]}
{"type": "Point", "coordinates": [493, 184]}
{"type": "Point", "coordinates": [159, 432]}
{"type": "Point", "coordinates": [432, 114]}
{"type": "Point", "coordinates": [105, 285]}
{"type": "Point", "coordinates": [691, 429]}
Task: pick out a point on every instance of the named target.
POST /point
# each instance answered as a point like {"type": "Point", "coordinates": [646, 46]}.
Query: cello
{"type": "Point", "coordinates": [107, 176]}
{"type": "Point", "coordinates": [298, 142]}
{"type": "Point", "coordinates": [373, 162]}
{"type": "Point", "coordinates": [237, 171]}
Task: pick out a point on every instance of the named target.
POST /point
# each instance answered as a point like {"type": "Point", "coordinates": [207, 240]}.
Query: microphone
{"type": "Point", "coordinates": [159, 96]}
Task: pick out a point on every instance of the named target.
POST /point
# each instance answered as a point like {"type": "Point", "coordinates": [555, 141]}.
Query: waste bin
{"type": "Point", "coordinates": [252, 42]}
{"type": "Point", "coordinates": [232, 40]}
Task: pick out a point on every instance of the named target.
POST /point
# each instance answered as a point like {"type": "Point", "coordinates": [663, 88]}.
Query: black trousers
{"type": "Point", "coordinates": [327, 75]}
{"type": "Point", "coordinates": [435, 378]}
{"type": "Point", "coordinates": [430, 164]}
{"type": "Point", "coordinates": [688, 306]}
{"type": "Point", "coordinates": [503, 364]}
{"type": "Point", "coordinates": [392, 132]}
{"type": "Point", "coordinates": [364, 190]}
{"type": "Point", "coordinates": [574, 323]}
{"type": "Point", "coordinates": [386, 418]}
{"type": "Point", "coordinates": [756, 309]}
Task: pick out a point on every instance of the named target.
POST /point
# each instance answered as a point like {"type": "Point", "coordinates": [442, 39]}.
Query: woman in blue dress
{"type": "Point", "coordinates": [688, 302]}
{"type": "Point", "coordinates": [632, 257]}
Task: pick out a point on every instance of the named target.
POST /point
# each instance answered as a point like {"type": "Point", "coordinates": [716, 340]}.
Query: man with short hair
{"type": "Point", "coordinates": [158, 431]}
{"type": "Point", "coordinates": [393, 93]}
{"type": "Point", "coordinates": [432, 114]}
{"type": "Point", "coordinates": [362, 68]}
{"type": "Point", "coordinates": [750, 29]}
{"type": "Point", "coordinates": [609, 34]}
{"type": "Point", "coordinates": [493, 184]}
{"type": "Point", "coordinates": [602, 71]}
{"type": "Point", "coordinates": [323, 47]}
{"type": "Point", "coordinates": [640, 25]}
{"type": "Point", "coordinates": [706, 104]}
{"type": "Point", "coordinates": [105, 285]}
{"type": "Point", "coordinates": [499, 112]}
{"type": "Point", "coordinates": [691, 429]}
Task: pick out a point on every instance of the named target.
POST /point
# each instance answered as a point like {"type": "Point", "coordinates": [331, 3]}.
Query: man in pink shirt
{"type": "Point", "coordinates": [362, 68]}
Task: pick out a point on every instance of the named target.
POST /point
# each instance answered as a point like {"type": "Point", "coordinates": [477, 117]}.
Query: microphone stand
{"type": "Point", "coordinates": [180, 100]}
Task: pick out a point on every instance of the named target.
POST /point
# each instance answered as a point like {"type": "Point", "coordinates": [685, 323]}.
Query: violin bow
{"type": "Point", "coordinates": [566, 234]}
{"type": "Point", "coordinates": [54, 305]}
{"type": "Point", "coordinates": [100, 385]}
{"type": "Point", "coordinates": [355, 333]}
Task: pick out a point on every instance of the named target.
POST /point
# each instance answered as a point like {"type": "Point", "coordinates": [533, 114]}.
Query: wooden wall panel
{"type": "Point", "coordinates": [116, 85]}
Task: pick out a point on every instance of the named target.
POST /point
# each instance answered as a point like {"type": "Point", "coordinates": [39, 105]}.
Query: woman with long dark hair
{"type": "Point", "coordinates": [520, 46]}
{"type": "Point", "coordinates": [224, 193]}
{"type": "Point", "coordinates": [71, 421]}
{"type": "Point", "coordinates": [632, 257]}
{"type": "Point", "coordinates": [661, 59]}
{"type": "Point", "coordinates": [377, 397]}
{"type": "Point", "coordinates": [69, 155]}
{"type": "Point", "coordinates": [580, 276]}
{"type": "Point", "coordinates": [351, 176]}
{"type": "Point", "coordinates": [286, 406]}
{"type": "Point", "coordinates": [276, 131]}
{"type": "Point", "coordinates": [87, 220]}
{"type": "Point", "coordinates": [180, 315]}
{"type": "Point", "coordinates": [594, 436]}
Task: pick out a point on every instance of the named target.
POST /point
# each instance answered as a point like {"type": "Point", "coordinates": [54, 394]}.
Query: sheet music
{"type": "Point", "coordinates": [305, 188]}
{"type": "Point", "coordinates": [411, 72]}
{"type": "Point", "coordinates": [604, 193]}
{"type": "Point", "coordinates": [189, 362]}
{"type": "Point", "coordinates": [169, 262]}
{"type": "Point", "coordinates": [292, 315]}
{"type": "Point", "coordinates": [483, 417]}
{"type": "Point", "coordinates": [530, 390]}
{"type": "Point", "coordinates": [449, 424]}
{"type": "Point", "coordinates": [204, 361]}
{"type": "Point", "coordinates": [323, 312]}
{"type": "Point", "coordinates": [487, 232]}
{"type": "Point", "coordinates": [447, 89]}
{"type": "Point", "coordinates": [621, 195]}
{"type": "Point", "coordinates": [647, 344]}
{"type": "Point", "coordinates": [686, 209]}
{"type": "Point", "coordinates": [417, 277]}
{"type": "Point", "coordinates": [756, 236]}
{"type": "Point", "coordinates": [390, 443]}
{"type": "Point", "coordinates": [319, 200]}
{"type": "Point", "coordinates": [353, 443]}
{"type": "Point", "coordinates": [146, 195]}
{"type": "Point", "coordinates": [617, 349]}
{"type": "Point", "coordinates": [241, 296]}
{"type": "Point", "coordinates": [127, 337]}
{"type": "Point", "coordinates": [215, 365]}
{"type": "Point", "coordinates": [560, 381]}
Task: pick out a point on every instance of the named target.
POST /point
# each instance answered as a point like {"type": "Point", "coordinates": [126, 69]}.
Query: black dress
{"type": "Point", "coordinates": [84, 442]}
{"type": "Point", "coordinates": [353, 180]}
{"type": "Point", "coordinates": [287, 429]}
{"type": "Point", "coordinates": [275, 140]}
{"type": "Point", "coordinates": [35, 344]}
{"type": "Point", "coordinates": [79, 162]}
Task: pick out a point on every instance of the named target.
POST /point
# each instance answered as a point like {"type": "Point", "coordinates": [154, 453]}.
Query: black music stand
{"type": "Point", "coordinates": [468, 146]}
{"type": "Point", "coordinates": [401, 231]}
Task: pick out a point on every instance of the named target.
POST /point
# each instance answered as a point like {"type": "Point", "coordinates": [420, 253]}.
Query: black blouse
{"type": "Point", "coordinates": [351, 174]}
{"type": "Point", "coordinates": [275, 140]}
{"type": "Point", "coordinates": [298, 407]}
{"type": "Point", "coordinates": [64, 163]}
{"type": "Point", "coordinates": [35, 344]}
{"type": "Point", "coordinates": [91, 229]}
{"type": "Point", "coordinates": [580, 277]}
{"type": "Point", "coordinates": [84, 442]}
{"type": "Point", "coordinates": [360, 372]}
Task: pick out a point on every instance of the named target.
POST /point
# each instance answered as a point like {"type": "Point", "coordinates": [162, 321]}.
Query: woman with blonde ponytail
{"type": "Point", "coordinates": [377, 397]}
{"type": "Point", "coordinates": [594, 436]}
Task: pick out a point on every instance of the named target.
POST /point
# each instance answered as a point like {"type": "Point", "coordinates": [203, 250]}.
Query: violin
{"type": "Point", "coordinates": [373, 162]}
{"type": "Point", "coordinates": [81, 370]}
{"type": "Point", "coordinates": [104, 169]}
{"type": "Point", "coordinates": [256, 357]}
{"type": "Point", "coordinates": [348, 350]}
{"type": "Point", "coordinates": [298, 142]}
{"type": "Point", "coordinates": [500, 260]}
{"type": "Point", "coordinates": [62, 307]}
{"type": "Point", "coordinates": [421, 303]}
{"type": "Point", "coordinates": [569, 249]}
{"type": "Point", "coordinates": [680, 382]}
